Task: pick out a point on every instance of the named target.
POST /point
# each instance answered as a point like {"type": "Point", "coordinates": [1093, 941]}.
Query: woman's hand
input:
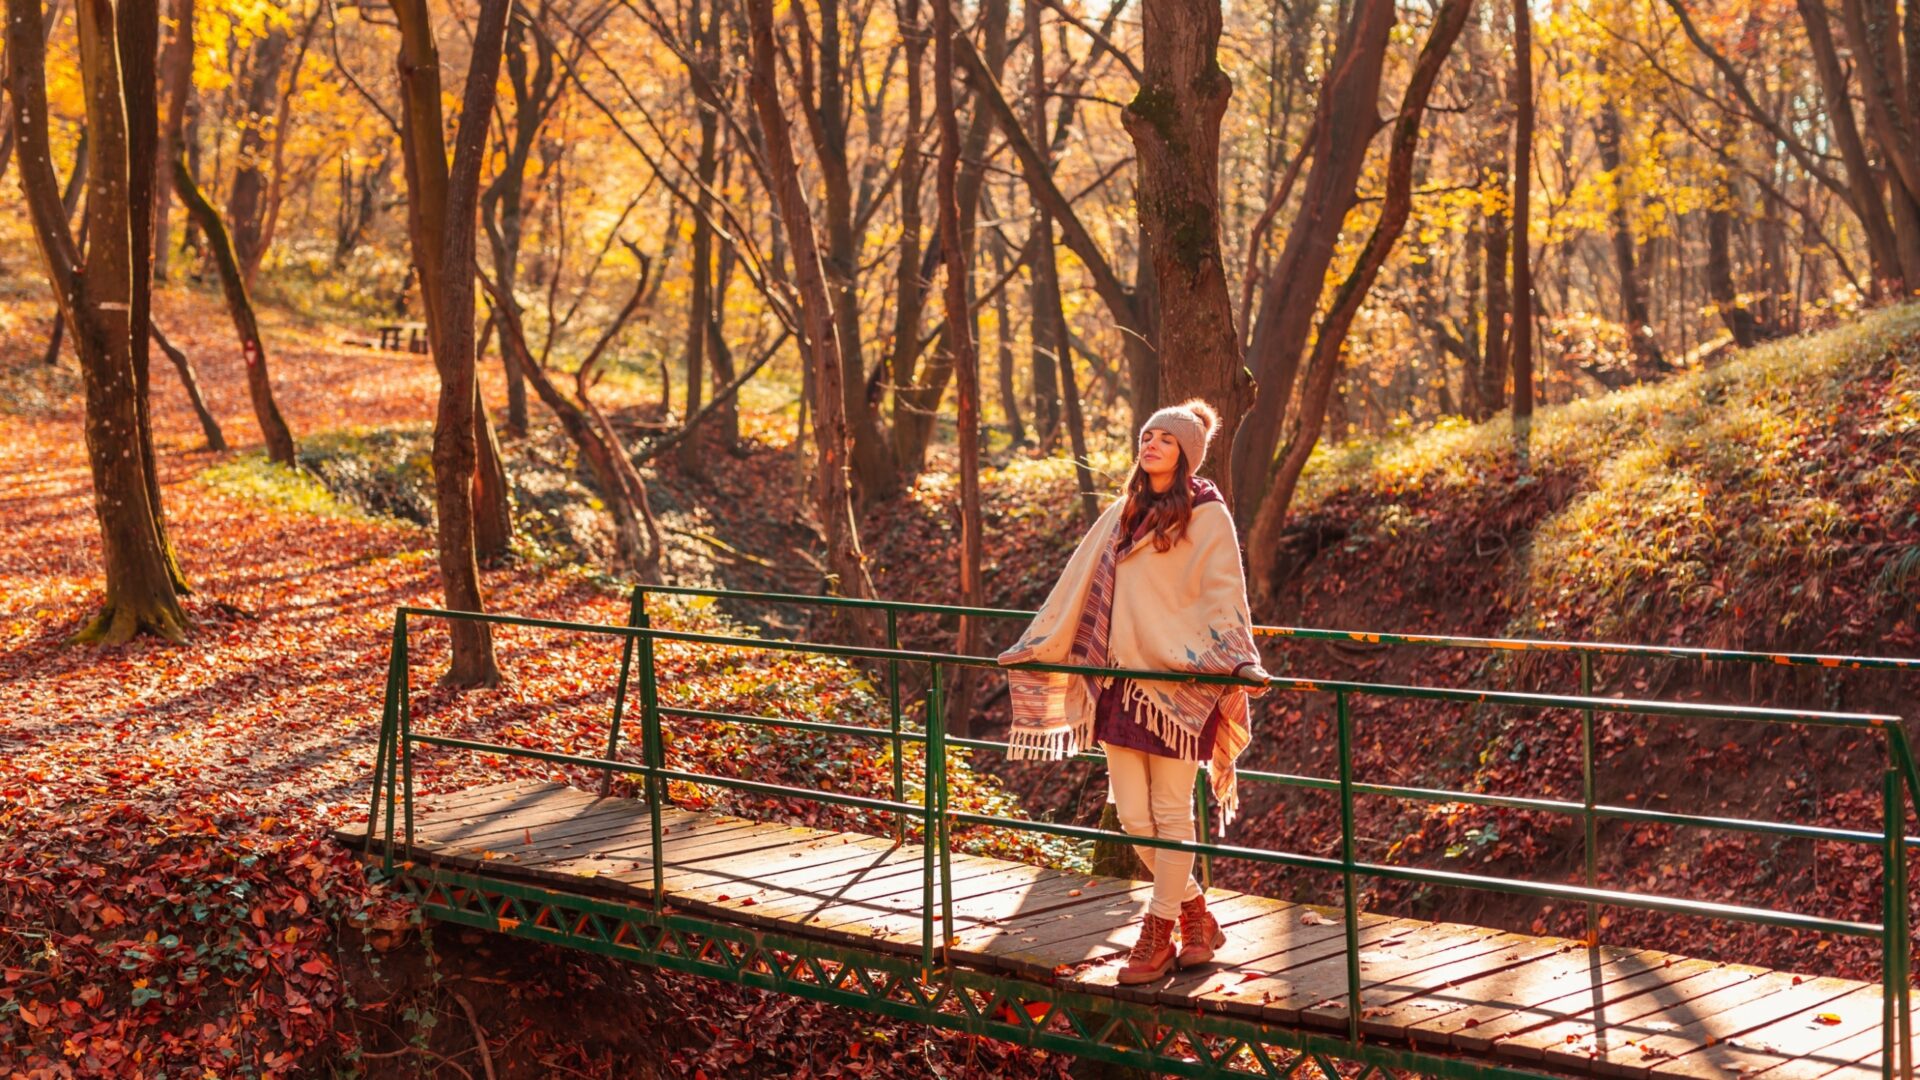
{"type": "Point", "coordinates": [1256, 676]}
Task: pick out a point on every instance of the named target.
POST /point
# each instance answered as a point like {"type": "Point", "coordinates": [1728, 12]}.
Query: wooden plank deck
{"type": "Point", "coordinates": [1539, 1003]}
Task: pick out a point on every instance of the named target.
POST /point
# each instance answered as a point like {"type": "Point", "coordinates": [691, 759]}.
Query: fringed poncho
{"type": "Point", "coordinates": [1181, 610]}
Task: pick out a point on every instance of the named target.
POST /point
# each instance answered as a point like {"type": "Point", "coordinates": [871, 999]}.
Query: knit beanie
{"type": "Point", "coordinates": [1192, 424]}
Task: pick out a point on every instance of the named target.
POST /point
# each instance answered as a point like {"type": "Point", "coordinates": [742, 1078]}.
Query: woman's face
{"type": "Point", "coordinates": [1159, 455]}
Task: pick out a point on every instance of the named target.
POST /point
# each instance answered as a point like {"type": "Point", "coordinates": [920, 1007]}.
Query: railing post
{"type": "Point", "coordinates": [406, 735]}
{"type": "Point", "coordinates": [1200, 820]}
{"type": "Point", "coordinates": [1896, 1006]}
{"type": "Point", "coordinates": [653, 752]}
{"type": "Point", "coordinates": [1347, 860]}
{"type": "Point", "coordinates": [930, 824]}
{"type": "Point", "coordinates": [1588, 799]}
{"type": "Point", "coordinates": [893, 705]}
{"type": "Point", "coordinates": [383, 757]}
{"type": "Point", "coordinates": [937, 752]}
{"type": "Point", "coordinates": [636, 616]}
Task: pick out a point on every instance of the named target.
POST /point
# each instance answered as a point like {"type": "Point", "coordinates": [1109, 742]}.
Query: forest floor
{"type": "Point", "coordinates": [169, 902]}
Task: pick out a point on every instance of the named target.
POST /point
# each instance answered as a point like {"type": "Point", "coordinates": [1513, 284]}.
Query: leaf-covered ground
{"type": "Point", "coordinates": [169, 905]}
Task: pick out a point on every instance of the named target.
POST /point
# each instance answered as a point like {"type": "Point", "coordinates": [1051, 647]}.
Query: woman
{"type": "Point", "coordinates": [1155, 585]}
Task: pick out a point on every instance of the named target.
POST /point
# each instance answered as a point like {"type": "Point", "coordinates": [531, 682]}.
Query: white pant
{"type": "Point", "coordinates": [1153, 796]}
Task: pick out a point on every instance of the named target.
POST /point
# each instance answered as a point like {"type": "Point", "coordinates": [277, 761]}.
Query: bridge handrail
{"type": "Point", "coordinates": [1819, 717]}
{"type": "Point", "coordinates": [394, 771]}
{"type": "Point", "coordinates": [1445, 641]}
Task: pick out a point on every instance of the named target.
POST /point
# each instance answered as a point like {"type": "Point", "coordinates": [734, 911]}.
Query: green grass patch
{"type": "Point", "coordinates": [252, 477]}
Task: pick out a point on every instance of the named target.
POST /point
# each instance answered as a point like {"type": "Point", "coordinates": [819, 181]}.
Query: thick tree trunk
{"type": "Point", "coordinates": [178, 73]}
{"type": "Point", "coordinates": [216, 440]}
{"type": "Point", "coordinates": [1263, 542]}
{"type": "Point", "coordinates": [137, 30]}
{"type": "Point", "coordinates": [1174, 121]}
{"type": "Point", "coordinates": [99, 300]}
{"type": "Point", "coordinates": [273, 427]}
{"type": "Point", "coordinates": [1521, 349]}
{"type": "Point", "coordinates": [441, 213]}
{"type": "Point", "coordinates": [1290, 298]}
{"type": "Point", "coordinates": [832, 488]}
{"type": "Point", "coordinates": [956, 253]}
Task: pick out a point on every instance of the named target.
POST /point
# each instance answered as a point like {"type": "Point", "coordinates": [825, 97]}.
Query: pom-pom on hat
{"type": "Point", "coordinates": [1192, 424]}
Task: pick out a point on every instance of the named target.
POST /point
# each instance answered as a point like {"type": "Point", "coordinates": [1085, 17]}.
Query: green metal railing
{"type": "Point", "coordinates": [934, 817]}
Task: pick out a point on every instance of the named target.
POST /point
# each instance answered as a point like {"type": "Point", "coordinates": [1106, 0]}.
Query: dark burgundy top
{"type": "Point", "coordinates": [1116, 721]}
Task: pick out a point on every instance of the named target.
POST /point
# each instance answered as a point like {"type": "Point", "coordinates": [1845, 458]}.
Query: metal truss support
{"type": "Point", "coordinates": [1167, 1041]}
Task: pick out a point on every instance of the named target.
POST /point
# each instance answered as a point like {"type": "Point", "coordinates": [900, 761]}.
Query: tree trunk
{"type": "Point", "coordinates": [1346, 123]}
{"type": "Point", "coordinates": [1003, 342]}
{"type": "Point", "coordinates": [1608, 134]}
{"type": "Point", "coordinates": [246, 201]}
{"type": "Point", "coordinates": [273, 427]}
{"type": "Point", "coordinates": [636, 536]}
{"type": "Point", "coordinates": [1077, 431]}
{"type": "Point", "coordinates": [492, 498]}
{"type": "Point", "coordinates": [724, 405]}
{"type": "Point", "coordinates": [1490, 381]}
{"type": "Point", "coordinates": [178, 73]}
{"type": "Point", "coordinates": [875, 471]}
{"type": "Point", "coordinates": [441, 212]}
{"type": "Point", "coordinates": [699, 312]}
{"type": "Point", "coordinates": [832, 488]}
{"type": "Point", "coordinates": [957, 256]}
{"type": "Point", "coordinates": [1129, 307]}
{"type": "Point", "coordinates": [1263, 542]}
{"type": "Point", "coordinates": [1521, 349]}
{"type": "Point", "coordinates": [700, 270]}
{"type": "Point", "coordinates": [910, 286]}
{"type": "Point", "coordinates": [929, 386]}
{"type": "Point", "coordinates": [98, 300]}
{"type": "Point", "coordinates": [1049, 331]}
{"type": "Point", "coordinates": [503, 205]}
{"type": "Point", "coordinates": [1875, 37]}
{"type": "Point", "coordinates": [1720, 284]}
{"type": "Point", "coordinates": [137, 30]}
{"type": "Point", "coordinates": [1174, 121]}
{"type": "Point", "coordinates": [1893, 265]}
{"type": "Point", "coordinates": [216, 440]}
{"type": "Point", "coordinates": [69, 202]}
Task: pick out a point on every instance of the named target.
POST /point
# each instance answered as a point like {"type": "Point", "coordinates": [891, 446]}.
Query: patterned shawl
{"type": "Point", "coordinates": [1181, 610]}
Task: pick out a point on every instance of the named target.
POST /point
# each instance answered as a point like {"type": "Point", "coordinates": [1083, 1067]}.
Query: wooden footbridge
{"type": "Point", "coordinates": [918, 931]}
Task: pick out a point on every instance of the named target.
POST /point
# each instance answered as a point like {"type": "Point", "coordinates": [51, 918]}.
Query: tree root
{"type": "Point", "coordinates": [117, 624]}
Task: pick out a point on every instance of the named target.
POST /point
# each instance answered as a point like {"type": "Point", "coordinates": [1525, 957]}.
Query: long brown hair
{"type": "Point", "coordinates": [1165, 514]}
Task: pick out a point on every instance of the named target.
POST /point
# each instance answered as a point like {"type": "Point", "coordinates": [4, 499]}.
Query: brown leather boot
{"type": "Point", "coordinates": [1152, 955]}
{"type": "Point", "coordinates": [1200, 932]}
